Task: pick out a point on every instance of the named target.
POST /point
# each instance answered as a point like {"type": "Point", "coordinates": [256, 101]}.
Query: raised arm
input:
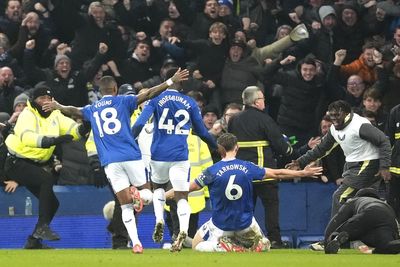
{"type": "Point", "coordinates": [180, 75]}
{"type": "Point", "coordinates": [290, 174]}
{"type": "Point", "coordinates": [69, 111]}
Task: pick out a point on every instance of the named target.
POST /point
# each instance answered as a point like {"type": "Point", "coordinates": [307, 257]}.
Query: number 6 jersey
{"type": "Point", "coordinates": [230, 185]}
{"type": "Point", "coordinates": [174, 115]}
{"type": "Point", "coordinates": [110, 121]}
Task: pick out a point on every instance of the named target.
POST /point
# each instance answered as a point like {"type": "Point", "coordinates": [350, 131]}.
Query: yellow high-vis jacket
{"type": "Point", "coordinates": [30, 129]}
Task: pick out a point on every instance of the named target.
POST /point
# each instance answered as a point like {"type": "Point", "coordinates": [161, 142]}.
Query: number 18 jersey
{"type": "Point", "coordinates": [231, 192]}
{"type": "Point", "coordinates": [110, 121]}
{"type": "Point", "coordinates": [174, 115]}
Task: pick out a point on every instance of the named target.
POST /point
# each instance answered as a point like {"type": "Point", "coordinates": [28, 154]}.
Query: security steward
{"type": "Point", "coordinates": [259, 140]}
{"type": "Point", "coordinates": [30, 163]}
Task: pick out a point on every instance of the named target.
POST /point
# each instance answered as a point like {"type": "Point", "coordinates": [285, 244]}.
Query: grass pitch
{"type": "Point", "coordinates": [163, 258]}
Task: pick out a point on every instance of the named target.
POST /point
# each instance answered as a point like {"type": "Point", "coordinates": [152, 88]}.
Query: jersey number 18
{"type": "Point", "coordinates": [111, 125]}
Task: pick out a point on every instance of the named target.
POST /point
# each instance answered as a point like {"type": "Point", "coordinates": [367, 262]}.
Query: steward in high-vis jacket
{"type": "Point", "coordinates": [259, 140]}
{"type": "Point", "coordinates": [29, 161]}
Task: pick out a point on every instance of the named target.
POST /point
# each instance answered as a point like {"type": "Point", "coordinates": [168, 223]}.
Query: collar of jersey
{"type": "Point", "coordinates": [171, 89]}
{"type": "Point", "coordinates": [228, 159]}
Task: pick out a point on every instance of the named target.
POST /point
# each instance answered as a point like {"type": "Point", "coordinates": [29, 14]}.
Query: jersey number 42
{"type": "Point", "coordinates": [168, 124]}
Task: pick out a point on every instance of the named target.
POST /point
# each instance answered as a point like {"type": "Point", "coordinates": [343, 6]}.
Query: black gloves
{"type": "Point", "coordinates": [100, 178]}
{"type": "Point", "coordinates": [52, 141]}
{"type": "Point", "coordinates": [84, 128]}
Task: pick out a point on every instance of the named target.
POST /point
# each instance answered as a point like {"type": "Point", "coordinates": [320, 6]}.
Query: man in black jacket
{"type": "Point", "coordinates": [259, 140]}
{"type": "Point", "coordinates": [364, 218]}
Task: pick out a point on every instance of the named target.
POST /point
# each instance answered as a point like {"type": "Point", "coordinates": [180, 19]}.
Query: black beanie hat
{"type": "Point", "coordinates": [41, 89]}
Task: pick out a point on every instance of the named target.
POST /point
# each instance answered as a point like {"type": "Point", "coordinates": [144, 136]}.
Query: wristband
{"type": "Point", "coordinates": [169, 82]}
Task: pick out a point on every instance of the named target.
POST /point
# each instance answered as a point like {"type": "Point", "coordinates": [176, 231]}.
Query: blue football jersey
{"type": "Point", "coordinates": [110, 121]}
{"type": "Point", "coordinates": [174, 115]}
{"type": "Point", "coordinates": [231, 192]}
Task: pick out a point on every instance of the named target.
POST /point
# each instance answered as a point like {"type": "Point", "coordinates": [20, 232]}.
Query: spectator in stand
{"type": "Point", "coordinates": [322, 39]}
{"type": "Point", "coordinates": [32, 29]}
{"type": "Point", "coordinates": [7, 60]}
{"type": "Point", "coordinates": [210, 115]}
{"type": "Point", "coordinates": [67, 86]}
{"type": "Point", "coordinates": [301, 102]}
{"type": "Point", "coordinates": [352, 30]}
{"type": "Point", "coordinates": [372, 101]}
{"type": "Point", "coordinates": [94, 29]}
{"type": "Point", "coordinates": [203, 21]}
{"type": "Point", "coordinates": [8, 90]}
{"type": "Point", "coordinates": [11, 20]}
{"type": "Point", "coordinates": [228, 17]}
{"type": "Point", "coordinates": [364, 66]}
{"type": "Point", "coordinates": [216, 48]}
{"type": "Point", "coordinates": [221, 126]}
{"type": "Point", "coordinates": [137, 68]}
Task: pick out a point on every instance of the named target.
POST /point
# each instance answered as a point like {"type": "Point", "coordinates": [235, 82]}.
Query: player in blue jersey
{"type": "Point", "coordinates": [174, 115]}
{"type": "Point", "coordinates": [229, 182]}
{"type": "Point", "coordinates": [116, 147]}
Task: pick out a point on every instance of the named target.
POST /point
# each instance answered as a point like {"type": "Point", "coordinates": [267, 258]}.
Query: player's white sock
{"type": "Point", "coordinates": [130, 223]}
{"type": "Point", "coordinates": [146, 195]}
{"type": "Point", "coordinates": [209, 246]}
{"type": "Point", "coordinates": [183, 211]}
{"type": "Point", "coordinates": [158, 203]}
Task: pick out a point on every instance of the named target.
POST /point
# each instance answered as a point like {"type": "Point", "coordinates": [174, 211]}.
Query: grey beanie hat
{"type": "Point", "coordinates": [21, 98]}
{"type": "Point", "coordinates": [325, 11]}
{"type": "Point", "coordinates": [60, 57]}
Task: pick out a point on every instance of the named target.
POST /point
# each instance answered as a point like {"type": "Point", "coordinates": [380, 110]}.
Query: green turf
{"type": "Point", "coordinates": [163, 258]}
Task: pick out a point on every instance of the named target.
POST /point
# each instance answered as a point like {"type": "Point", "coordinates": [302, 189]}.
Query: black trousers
{"type": "Point", "coordinates": [394, 194]}
{"type": "Point", "coordinates": [38, 181]}
{"type": "Point", "coordinates": [268, 193]}
{"type": "Point", "coordinates": [374, 226]}
{"type": "Point", "coordinates": [172, 220]}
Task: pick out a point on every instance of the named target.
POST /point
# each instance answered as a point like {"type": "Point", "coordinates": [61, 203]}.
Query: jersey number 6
{"type": "Point", "coordinates": [233, 191]}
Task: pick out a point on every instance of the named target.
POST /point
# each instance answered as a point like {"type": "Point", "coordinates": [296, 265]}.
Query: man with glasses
{"type": "Point", "coordinates": [259, 139]}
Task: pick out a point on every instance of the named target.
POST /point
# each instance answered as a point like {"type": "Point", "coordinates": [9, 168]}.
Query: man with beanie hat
{"type": "Point", "coordinates": [322, 41]}
{"type": "Point", "coordinates": [30, 151]}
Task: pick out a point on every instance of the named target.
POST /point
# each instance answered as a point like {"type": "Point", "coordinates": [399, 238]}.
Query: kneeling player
{"type": "Point", "coordinates": [232, 226]}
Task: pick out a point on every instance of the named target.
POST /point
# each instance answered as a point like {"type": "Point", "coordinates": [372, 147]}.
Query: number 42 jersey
{"type": "Point", "coordinates": [231, 192]}
{"type": "Point", "coordinates": [174, 115]}
{"type": "Point", "coordinates": [110, 121]}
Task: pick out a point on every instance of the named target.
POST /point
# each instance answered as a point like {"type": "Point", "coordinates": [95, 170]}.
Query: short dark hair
{"type": "Point", "coordinates": [106, 84]}
{"type": "Point", "coordinates": [372, 93]}
{"type": "Point", "coordinates": [170, 73]}
{"type": "Point", "coordinates": [340, 105]}
{"type": "Point", "coordinates": [228, 141]}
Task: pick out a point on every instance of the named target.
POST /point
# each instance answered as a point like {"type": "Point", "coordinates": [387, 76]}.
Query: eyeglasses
{"type": "Point", "coordinates": [354, 83]}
